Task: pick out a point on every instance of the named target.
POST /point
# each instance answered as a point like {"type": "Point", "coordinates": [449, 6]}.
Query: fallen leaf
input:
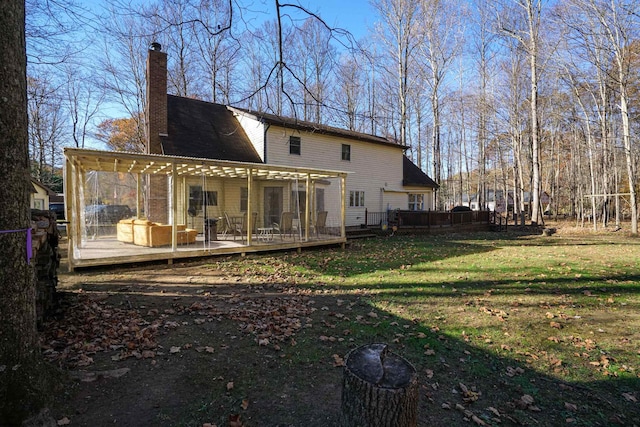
{"type": "Point", "coordinates": [527, 399]}
{"type": "Point", "coordinates": [245, 404]}
{"type": "Point", "coordinates": [64, 421]}
{"type": "Point", "coordinates": [571, 406]}
{"type": "Point", "coordinates": [174, 350]}
{"type": "Point", "coordinates": [337, 361]}
{"type": "Point", "coordinates": [230, 386]}
{"type": "Point", "coordinates": [630, 397]}
{"type": "Point", "coordinates": [494, 411]}
{"type": "Point", "coordinates": [234, 421]}
{"type": "Point", "coordinates": [555, 325]}
{"type": "Point", "coordinates": [478, 421]}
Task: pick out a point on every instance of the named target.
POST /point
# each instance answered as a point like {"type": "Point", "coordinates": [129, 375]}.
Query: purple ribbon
{"type": "Point", "coordinates": [29, 242]}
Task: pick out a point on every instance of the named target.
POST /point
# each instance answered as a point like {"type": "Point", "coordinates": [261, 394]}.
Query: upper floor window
{"type": "Point", "coordinates": [294, 145]}
{"type": "Point", "coordinates": [346, 152]}
{"type": "Point", "coordinates": [416, 202]}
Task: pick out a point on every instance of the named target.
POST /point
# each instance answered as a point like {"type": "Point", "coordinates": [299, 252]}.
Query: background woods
{"type": "Point", "coordinates": [501, 102]}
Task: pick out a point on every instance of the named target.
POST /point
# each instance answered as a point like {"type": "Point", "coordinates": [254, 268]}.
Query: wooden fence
{"type": "Point", "coordinates": [427, 219]}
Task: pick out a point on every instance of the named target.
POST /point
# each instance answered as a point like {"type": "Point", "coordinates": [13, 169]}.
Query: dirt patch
{"type": "Point", "coordinates": [190, 345]}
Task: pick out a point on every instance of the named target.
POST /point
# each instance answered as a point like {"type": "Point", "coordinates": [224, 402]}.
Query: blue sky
{"type": "Point", "coordinates": [352, 15]}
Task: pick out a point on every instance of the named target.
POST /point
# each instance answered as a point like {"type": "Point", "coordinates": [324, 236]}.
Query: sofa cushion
{"type": "Point", "coordinates": [124, 230]}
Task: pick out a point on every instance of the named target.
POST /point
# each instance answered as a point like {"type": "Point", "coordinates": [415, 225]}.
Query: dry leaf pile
{"type": "Point", "coordinates": [90, 326]}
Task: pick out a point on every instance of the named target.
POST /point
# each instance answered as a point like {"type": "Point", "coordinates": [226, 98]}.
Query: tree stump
{"type": "Point", "coordinates": [379, 389]}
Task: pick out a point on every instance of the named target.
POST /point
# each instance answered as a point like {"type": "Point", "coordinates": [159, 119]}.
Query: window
{"type": "Point", "coordinates": [294, 145]}
{"type": "Point", "coordinates": [244, 197]}
{"type": "Point", "coordinates": [356, 199]}
{"type": "Point", "coordinates": [199, 198]}
{"type": "Point", "coordinates": [346, 152]}
{"type": "Point", "coordinates": [211, 198]}
{"type": "Point", "coordinates": [298, 202]}
{"type": "Point", "coordinates": [416, 202]}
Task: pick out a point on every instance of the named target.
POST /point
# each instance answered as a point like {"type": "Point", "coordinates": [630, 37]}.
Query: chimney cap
{"type": "Point", "coordinates": [155, 46]}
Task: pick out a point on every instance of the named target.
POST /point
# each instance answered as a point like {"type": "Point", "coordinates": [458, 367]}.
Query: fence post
{"type": "Point", "coordinates": [366, 217]}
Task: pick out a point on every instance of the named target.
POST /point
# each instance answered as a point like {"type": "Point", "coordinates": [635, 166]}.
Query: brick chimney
{"type": "Point", "coordinates": [156, 98]}
{"type": "Point", "coordinates": [157, 190]}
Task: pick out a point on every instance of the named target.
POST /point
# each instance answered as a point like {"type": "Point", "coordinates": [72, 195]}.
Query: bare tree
{"type": "Point", "coordinates": [619, 23]}
{"type": "Point", "coordinates": [126, 39]}
{"type": "Point", "coordinates": [83, 98]}
{"type": "Point", "coordinates": [399, 32]}
{"type": "Point", "coordinates": [442, 40]}
{"type": "Point", "coordinates": [349, 93]}
{"type": "Point", "coordinates": [218, 51]}
{"type": "Point", "coordinates": [529, 12]}
{"type": "Point", "coordinates": [46, 128]}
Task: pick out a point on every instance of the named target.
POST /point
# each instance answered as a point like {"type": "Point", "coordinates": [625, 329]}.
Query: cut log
{"type": "Point", "coordinates": [379, 389]}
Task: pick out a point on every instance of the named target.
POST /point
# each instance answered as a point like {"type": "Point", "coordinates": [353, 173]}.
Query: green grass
{"type": "Point", "coordinates": [564, 308]}
{"type": "Point", "coordinates": [506, 314]}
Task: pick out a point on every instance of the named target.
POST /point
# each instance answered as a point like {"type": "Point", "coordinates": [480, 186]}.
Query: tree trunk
{"type": "Point", "coordinates": [22, 378]}
{"type": "Point", "coordinates": [379, 389]}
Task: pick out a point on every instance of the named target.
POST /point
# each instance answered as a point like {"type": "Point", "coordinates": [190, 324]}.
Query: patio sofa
{"type": "Point", "coordinates": [146, 233]}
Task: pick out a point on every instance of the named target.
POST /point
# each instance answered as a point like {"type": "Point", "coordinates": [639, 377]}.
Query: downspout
{"type": "Point", "coordinates": [264, 141]}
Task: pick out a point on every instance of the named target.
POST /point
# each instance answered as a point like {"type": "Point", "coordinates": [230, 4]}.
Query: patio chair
{"type": "Point", "coordinates": [254, 223]}
{"type": "Point", "coordinates": [285, 226]}
{"type": "Point", "coordinates": [321, 223]}
{"type": "Point", "coordinates": [234, 227]}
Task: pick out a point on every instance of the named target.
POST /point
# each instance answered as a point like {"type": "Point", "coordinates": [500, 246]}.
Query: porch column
{"type": "Point", "coordinates": [174, 208]}
{"type": "Point", "coordinates": [343, 205]}
{"type": "Point", "coordinates": [138, 194]}
{"type": "Point", "coordinates": [249, 205]}
{"type": "Point", "coordinates": [307, 205]}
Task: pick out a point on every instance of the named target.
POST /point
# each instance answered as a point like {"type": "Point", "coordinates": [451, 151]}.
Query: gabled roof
{"type": "Point", "coordinates": [412, 175]}
{"type": "Point", "coordinates": [35, 182]}
{"type": "Point", "coordinates": [297, 124]}
{"type": "Point", "coordinates": [205, 130]}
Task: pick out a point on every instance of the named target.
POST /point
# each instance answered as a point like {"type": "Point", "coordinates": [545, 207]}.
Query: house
{"type": "Point", "coordinates": [379, 176]}
{"type": "Point", "coordinates": [221, 180]}
{"type": "Point", "coordinates": [40, 195]}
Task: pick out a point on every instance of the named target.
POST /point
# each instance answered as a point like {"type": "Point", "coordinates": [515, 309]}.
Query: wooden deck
{"type": "Point", "coordinates": [107, 250]}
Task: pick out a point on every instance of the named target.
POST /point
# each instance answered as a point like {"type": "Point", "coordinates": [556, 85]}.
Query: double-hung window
{"type": "Point", "coordinates": [416, 202]}
{"type": "Point", "coordinates": [294, 145]}
{"type": "Point", "coordinates": [356, 199]}
{"type": "Point", "coordinates": [346, 152]}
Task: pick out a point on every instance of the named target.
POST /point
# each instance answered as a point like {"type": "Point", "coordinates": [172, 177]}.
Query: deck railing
{"type": "Point", "coordinates": [406, 218]}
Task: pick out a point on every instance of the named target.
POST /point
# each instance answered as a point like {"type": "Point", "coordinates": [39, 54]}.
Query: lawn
{"type": "Point", "coordinates": [503, 329]}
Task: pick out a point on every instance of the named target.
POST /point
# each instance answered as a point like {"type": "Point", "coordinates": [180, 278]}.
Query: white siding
{"type": "Point", "coordinates": [372, 166]}
{"type": "Point", "coordinates": [255, 131]}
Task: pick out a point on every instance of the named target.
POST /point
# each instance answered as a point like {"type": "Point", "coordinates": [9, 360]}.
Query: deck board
{"type": "Point", "coordinates": [107, 250]}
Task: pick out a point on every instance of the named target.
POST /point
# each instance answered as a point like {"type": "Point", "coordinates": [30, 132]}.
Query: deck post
{"type": "Point", "coordinates": [174, 208]}
{"type": "Point", "coordinates": [343, 205]}
{"type": "Point", "coordinates": [249, 206]}
{"type": "Point", "coordinates": [307, 203]}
